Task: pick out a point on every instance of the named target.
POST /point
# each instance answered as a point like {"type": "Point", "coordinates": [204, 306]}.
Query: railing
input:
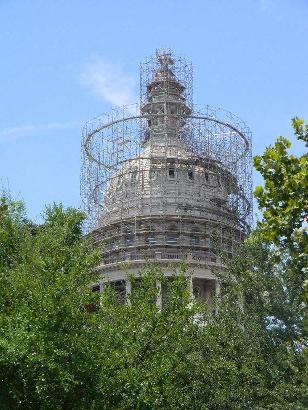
{"type": "Point", "coordinates": [160, 256]}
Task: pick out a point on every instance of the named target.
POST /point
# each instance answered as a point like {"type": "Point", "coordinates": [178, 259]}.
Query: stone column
{"type": "Point", "coordinates": [217, 293]}
{"type": "Point", "coordinates": [217, 288]}
{"type": "Point", "coordinates": [159, 296]}
{"type": "Point", "coordinates": [128, 289]}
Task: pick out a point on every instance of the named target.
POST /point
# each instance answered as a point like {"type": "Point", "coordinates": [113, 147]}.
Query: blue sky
{"type": "Point", "coordinates": [59, 57]}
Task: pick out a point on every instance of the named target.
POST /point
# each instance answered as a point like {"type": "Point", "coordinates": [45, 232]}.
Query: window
{"type": "Point", "coordinates": [190, 174]}
{"type": "Point", "coordinates": [129, 240]}
{"type": "Point", "coordinates": [150, 240]}
{"type": "Point", "coordinates": [152, 173]}
{"type": "Point", "coordinates": [196, 292]}
{"type": "Point", "coordinates": [119, 288]}
{"type": "Point", "coordinates": [194, 240]}
{"type": "Point", "coordinates": [172, 240]}
{"type": "Point", "coordinates": [134, 175]}
{"type": "Point", "coordinates": [171, 172]}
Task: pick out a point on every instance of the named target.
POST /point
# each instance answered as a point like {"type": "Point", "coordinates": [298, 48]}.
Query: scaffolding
{"type": "Point", "coordinates": [161, 177]}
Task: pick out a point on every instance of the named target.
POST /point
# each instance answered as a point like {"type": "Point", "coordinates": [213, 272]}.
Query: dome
{"type": "Point", "coordinates": [165, 180]}
{"type": "Point", "coordinates": [166, 183]}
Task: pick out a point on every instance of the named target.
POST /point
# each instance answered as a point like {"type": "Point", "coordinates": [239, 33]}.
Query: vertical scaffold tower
{"type": "Point", "coordinates": [161, 179]}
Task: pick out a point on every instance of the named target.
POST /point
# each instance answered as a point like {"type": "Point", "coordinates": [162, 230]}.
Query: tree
{"type": "Point", "coordinates": [47, 346]}
{"type": "Point", "coordinates": [257, 278]}
{"type": "Point", "coordinates": [284, 202]}
{"type": "Point", "coordinates": [246, 350]}
{"type": "Point", "coordinates": [55, 354]}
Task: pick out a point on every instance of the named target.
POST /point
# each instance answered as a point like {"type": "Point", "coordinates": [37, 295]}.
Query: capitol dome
{"type": "Point", "coordinates": [146, 186]}
{"type": "Point", "coordinates": [163, 181]}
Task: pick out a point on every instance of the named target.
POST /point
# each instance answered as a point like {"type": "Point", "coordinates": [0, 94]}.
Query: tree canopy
{"type": "Point", "coordinates": [63, 346]}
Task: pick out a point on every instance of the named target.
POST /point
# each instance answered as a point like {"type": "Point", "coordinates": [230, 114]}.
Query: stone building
{"type": "Point", "coordinates": [160, 180]}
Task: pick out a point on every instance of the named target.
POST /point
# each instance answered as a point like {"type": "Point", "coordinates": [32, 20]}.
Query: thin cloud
{"type": "Point", "coordinates": [265, 5]}
{"type": "Point", "coordinates": [109, 82]}
{"type": "Point", "coordinates": [28, 130]}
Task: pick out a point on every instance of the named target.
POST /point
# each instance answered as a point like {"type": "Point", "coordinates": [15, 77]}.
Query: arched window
{"type": "Point", "coordinates": [190, 174]}
{"type": "Point", "coordinates": [152, 173]}
{"type": "Point", "coordinates": [171, 172]}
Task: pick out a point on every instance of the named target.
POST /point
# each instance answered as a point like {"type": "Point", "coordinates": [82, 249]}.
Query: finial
{"type": "Point", "coordinates": [165, 60]}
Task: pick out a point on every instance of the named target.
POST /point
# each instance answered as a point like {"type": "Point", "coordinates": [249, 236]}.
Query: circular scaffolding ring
{"type": "Point", "coordinates": [94, 133]}
{"type": "Point", "coordinates": [111, 143]}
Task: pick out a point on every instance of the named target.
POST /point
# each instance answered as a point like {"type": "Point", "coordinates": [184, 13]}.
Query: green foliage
{"type": "Point", "coordinates": [246, 350]}
{"type": "Point", "coordinates": [284, 198]}
{"type": "Point", "coordinates": [144, 348]}
{"type": "Point", "coordinates": [55, 354]}
{"type": "Point", "coordinates": [284, 203]}
{"type": "Point", "coordinates": [45, 332]}
{"type": "Point", "coordinates": [300, 129]}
